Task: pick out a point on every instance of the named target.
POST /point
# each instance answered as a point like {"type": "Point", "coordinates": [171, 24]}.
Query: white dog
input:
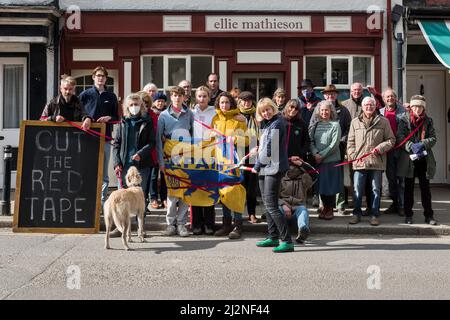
{"type": "Point", "coordinates": [121, 204]}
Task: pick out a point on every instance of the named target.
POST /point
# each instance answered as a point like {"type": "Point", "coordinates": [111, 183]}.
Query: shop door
{"type": "Point", "coordinates": [13, 105]}
{"type": "Point", "coordinates": [260, 84]}
{"type": "Point", "coordinates": [431, 84]}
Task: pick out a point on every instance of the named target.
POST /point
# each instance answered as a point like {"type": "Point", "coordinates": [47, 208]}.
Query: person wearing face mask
{"type": "Point", "coordinates": [416, 157]}
{"type": "Point", "coordinates": [134, 139]}
{"type": "Point", "coordinates": [308, 100]}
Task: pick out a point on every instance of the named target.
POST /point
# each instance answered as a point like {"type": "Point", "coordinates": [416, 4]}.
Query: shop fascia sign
{"type": "Point", "coordinates": [258, 24]}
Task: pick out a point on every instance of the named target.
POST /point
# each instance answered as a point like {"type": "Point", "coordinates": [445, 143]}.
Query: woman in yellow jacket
{"type": "Point", "coordinates": [226, 122]}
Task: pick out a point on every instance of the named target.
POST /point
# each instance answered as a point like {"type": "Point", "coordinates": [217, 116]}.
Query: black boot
{"type": "Point", "coordinates": [226, 227]}
{"type": "Point", "coordinates": [237, 231]}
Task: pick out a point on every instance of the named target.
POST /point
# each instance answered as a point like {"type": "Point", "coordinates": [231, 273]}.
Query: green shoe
{"type": "Point", "coordinates": [268, 243]}
{"type": "Point", "coordinates": [284, 247]}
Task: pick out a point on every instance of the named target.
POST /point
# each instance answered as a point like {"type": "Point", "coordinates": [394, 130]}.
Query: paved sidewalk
{"type": "Point", "coordinates": [390, 224]}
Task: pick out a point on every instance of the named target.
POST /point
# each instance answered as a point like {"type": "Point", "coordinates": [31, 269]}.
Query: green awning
{"type": "Point", "coordinates": [437, 34]}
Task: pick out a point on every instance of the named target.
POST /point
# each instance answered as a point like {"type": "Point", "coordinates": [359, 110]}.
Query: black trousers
{"type": "Point", "coordinates": [420, 171]}
{"type": "Point", "coordinates": [203, 216]}
{"type": "Point", "coordinates": [250, 184]}
{"type": "Point", "coordinates": [276, 220]}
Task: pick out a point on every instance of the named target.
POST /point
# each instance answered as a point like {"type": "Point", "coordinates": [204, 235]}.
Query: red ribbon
{"type": "Point", "coordinates": [370, 153]}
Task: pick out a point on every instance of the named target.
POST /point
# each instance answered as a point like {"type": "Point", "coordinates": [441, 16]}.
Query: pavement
{"type": "Point", "coordinates": [390, 224]}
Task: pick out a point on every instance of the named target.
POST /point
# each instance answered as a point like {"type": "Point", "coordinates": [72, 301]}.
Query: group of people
{"type": "Point", "coordinates": [297, 142]}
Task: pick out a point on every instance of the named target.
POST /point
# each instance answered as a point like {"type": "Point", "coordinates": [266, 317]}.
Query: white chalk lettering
{"type": "Point", "coordinates": [74, 177]}
{"type": "Point", "coordinates": [52, 172]}
{"type": "Point", "coordinates": [77, 209]}
{"type": "Point", "coordinates": [78, 140]}
{"type": "Point", "coordinates": [67, 164]}
{"type": "Point", "coordinates": [66, 141]}
{"type": "Point", "coordinates": [32, 206]}
{"type": "Point", "coordinates": [35, 173]}
{"type": "Point", "coordinates": [39, 145]}
{"type": "Point", "coordinates": [62, 209]}
{"type": "Point", "coordinates": [49, 208]}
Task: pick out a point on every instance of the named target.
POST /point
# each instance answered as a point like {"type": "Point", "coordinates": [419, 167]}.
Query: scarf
{"type": "Point", "coordinates": [367, 121]}
{"type": "Point", "coordinates": [157, 111]}
{"type": "Point", "coordinates": [416, 121]}
{"type": "Point", "coordinates": [252, 124]}
{"type": "Point", "coordinates": [247, 111]}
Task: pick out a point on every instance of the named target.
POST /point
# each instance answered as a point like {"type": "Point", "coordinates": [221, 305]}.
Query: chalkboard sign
{"type": "Point", "coordinates": [59, 178]}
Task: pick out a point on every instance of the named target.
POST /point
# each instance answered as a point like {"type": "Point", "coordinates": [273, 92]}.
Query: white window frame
{"type": "Point", "coordinates": [166, 57]}
{"type": "Point", "coordinates": [7, 61]}
{"type": "Point", "coordinates": [113, 73]}
{"type": "Point", "coordinates": [350, 69]}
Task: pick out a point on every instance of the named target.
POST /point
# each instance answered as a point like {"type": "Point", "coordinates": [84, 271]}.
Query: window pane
{"type": "Point", "coordinates": [200, 68]}
{"type": "Point", "coordinates": [13, 95]}
{"type": "Point", "coordinates": [362, 70]}
{"type": "Point", "coordinates": [316, 70]}
{"type": "Point", "coordinates": [153, 71]}
{"type": "Point", "coordinates": [339, 71]}
{"type": "Point", "coordinates": [177, 71]}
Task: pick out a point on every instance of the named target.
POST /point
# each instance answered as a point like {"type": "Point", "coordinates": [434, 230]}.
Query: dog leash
{"type": "Point", "coordinates": [119, 178]}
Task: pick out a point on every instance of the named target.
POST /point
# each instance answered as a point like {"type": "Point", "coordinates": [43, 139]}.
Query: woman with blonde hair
{"type": "Point", "coordinates": [271, 165]}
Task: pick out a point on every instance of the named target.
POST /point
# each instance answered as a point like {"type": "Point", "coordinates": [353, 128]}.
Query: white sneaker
{"type": "Point", "coordinates": [182, 231]}
{"type": "Point", "coordinates": [170, 231]}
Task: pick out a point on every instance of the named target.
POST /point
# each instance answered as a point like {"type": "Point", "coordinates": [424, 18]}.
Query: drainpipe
{"type": "Point", "coordinates": [400, 68]}
{"type": "Point", "coordinates": [389, 41]}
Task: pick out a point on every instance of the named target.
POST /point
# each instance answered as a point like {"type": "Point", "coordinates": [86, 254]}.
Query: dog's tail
{"type": "Point", "coordinates": [133, 178]}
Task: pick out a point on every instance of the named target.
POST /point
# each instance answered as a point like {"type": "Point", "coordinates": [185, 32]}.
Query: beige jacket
{"type": "Point", "coordinates": [362, 140]}
{"type": "Point", "coordinates": [352, 107]}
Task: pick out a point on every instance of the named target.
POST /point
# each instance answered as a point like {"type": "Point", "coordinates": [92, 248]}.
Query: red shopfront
{"type": "Point", "coordinates": [257, 52]}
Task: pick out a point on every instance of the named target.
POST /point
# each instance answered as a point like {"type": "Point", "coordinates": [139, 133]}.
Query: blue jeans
{"type": "Point", "coordinates": [107, 154]}
{"type": "Point", "coordinates": [373, 178]}
{"type": "Point", "coordinates": [227, 213]}
{"type": "Point", "coordinates": [301, 215]}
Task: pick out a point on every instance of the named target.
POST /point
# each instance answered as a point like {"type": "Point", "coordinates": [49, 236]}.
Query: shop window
{"type": "Point", "coordinates": [316, 70]}
{"type": "Point", "coordinates": [85, 82]}
{"type": "Point", "coordinates": [13, 84]}
{"type": "Point", "coordinates": [167, 71]}
{"type": "Point", "coordinates": [177, 70]}
{"type": "Point", "coordinates": [341, 71]}
{"type": "Point", "coordinates": [362, 70]}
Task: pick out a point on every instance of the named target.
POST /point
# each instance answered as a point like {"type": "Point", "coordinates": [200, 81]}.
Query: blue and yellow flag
{"type": "Point", "coordinates": [203, 174]}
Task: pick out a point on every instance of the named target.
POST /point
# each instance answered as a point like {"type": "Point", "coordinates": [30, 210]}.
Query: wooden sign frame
{"type": "Point", "coordinates": [96, 228]}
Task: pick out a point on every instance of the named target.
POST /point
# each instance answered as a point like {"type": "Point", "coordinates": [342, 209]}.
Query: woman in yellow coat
{"type": "Point", "coordinates": [225, 122]}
